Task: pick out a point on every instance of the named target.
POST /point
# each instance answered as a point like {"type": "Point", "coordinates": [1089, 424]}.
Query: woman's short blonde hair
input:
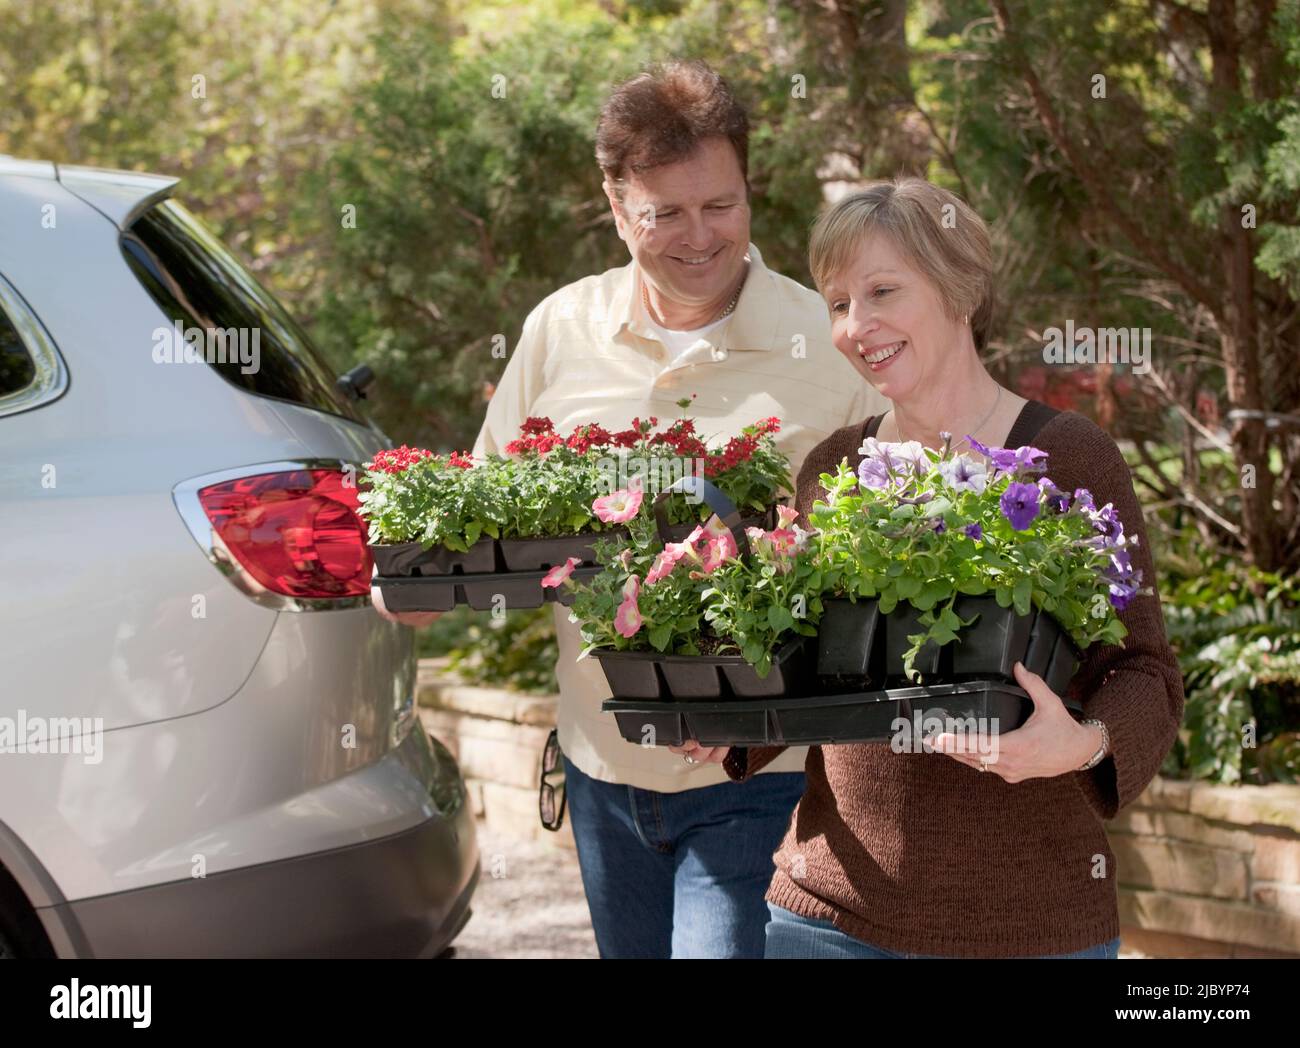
{"type": "Point", "coordinates": [936, 230]}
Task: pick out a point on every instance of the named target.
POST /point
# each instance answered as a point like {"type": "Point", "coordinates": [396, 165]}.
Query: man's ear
{"type": "Point", "coordinates": [620, 223]}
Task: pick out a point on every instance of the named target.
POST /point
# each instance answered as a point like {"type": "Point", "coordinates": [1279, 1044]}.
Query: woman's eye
{"type": "Point", "coordinates": [839, 307]}
{"type": "Point", "coordinates": [882, 291]}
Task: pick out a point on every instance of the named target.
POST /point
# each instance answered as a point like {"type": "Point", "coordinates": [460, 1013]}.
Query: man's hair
{"type": "Point", "coordinates": [955, 256]}
{"type": "Point", "coordinates": [662, 115]}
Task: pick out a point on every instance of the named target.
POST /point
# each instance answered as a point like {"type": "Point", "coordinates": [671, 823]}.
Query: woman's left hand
{"type": "Point", "coordinates": [1051, 742]}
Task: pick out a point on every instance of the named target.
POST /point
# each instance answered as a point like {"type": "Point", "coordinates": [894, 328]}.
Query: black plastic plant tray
{"type": "Point", "coordinates": [858, 648]}
{"type": "Point", "coordinates": [519, 589]}
{"type": "Point", "coordinates": [819, 720]}
{"type": "Point", "coordinates": [411, 560]}
{"type": "Point", "coordinates": [653, 675]}
{"type": "Point", "coordinates": [547, 553]}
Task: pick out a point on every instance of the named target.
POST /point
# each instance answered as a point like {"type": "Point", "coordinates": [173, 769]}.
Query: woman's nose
{"type": "Point", "coordinates": [862, 321]}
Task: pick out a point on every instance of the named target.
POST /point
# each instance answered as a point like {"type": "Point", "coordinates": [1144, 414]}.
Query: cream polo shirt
{"type": "Point", "coordinates": [588, 354]}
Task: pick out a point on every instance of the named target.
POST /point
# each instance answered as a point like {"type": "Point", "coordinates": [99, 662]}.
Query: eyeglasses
{"type": "Point", "coordinates": [552, 782]}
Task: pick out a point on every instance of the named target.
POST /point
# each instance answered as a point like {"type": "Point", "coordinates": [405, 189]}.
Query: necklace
{"type": "Point", "coordinates": [645, 297]}
{"type": "Point", "coordinates": [972, 431]}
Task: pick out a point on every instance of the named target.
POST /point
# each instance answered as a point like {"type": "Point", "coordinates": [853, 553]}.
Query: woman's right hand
{"type": "Point", "coordinates": [402, 618]}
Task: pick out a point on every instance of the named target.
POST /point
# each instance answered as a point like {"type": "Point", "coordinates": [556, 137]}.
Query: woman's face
{"type": "Point", "coordinates": [889, 322]}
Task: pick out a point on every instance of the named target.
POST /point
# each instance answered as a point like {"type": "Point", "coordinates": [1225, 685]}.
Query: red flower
{"type": "Point", "coordinates": [537, 426]}
{"type": "Point", "coordinates": [398, 460]}
{"type": "Point", "coordinates": [463, 460]}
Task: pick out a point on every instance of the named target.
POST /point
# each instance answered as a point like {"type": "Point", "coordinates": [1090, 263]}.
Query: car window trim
{"type": "Point", "coordinates": [51, 380]}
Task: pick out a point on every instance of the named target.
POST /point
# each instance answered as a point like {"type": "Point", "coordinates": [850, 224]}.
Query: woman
{"type": "Point", "coordinates": [932, 854]}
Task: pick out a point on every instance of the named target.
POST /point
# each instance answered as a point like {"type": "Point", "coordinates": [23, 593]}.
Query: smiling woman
{"type": "Point", "coordinates": [1013, 848]}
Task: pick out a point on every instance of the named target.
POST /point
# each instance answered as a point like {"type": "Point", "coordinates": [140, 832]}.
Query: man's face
{"type": "Point", "coordinates": [687, 224]}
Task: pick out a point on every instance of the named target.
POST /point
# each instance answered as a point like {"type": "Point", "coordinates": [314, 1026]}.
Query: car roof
{"type": "Point", "coordinates": [120, 196]}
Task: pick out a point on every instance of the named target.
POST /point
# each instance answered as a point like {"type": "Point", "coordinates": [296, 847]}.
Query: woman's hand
{"type": "Point", "coordinates": [1051, 742]}
{"type": "Point", "coordinates": [697, 754]}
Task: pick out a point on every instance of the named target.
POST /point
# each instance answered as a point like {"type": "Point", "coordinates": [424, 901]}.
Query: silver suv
{"type": "Point", "coordinates": [208, 740]}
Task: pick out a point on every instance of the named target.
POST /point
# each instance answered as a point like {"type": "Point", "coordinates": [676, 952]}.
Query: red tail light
{"type": "Point", "coordinates": [296, 533]}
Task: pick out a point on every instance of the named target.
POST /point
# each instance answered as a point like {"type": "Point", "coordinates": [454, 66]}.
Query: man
{"type": "Point", "coordinates": [675, 858]}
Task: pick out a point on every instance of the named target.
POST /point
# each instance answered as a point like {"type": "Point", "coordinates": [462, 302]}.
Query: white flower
{"type": "Point", "coordinates": [965, 474]}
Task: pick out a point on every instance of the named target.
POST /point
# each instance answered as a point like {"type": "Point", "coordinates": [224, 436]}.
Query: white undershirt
{"type": "Point", "coordinates": [679, 342]}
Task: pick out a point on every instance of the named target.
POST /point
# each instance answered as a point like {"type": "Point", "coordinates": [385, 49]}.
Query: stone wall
{"type": "Point", "coordinates": [1210, 871]}
{"type": "Point", "coordinates": [498, 737]}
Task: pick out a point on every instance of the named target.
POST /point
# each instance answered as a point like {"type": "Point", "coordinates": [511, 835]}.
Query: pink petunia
{"type": "Point", "coordinates": [667, 560]}
{"type": "Point", "coordinates": [619, 507]}
{"type": "Point", "coordinates": [785, 516]}
{"type": "Point", "coordinates": [561, 572]}
{"type": "Point", "coordinates": [627, 620]}
{"type": "Point", "coordinates": [719, 550]}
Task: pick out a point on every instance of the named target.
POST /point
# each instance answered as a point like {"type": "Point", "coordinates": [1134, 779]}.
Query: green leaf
{"type": "Point", "coordinates": [1024, 589]}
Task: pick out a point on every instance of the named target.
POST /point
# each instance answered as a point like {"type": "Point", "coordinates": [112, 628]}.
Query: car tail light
{"type": "Point", "coordinates": [296, 533]}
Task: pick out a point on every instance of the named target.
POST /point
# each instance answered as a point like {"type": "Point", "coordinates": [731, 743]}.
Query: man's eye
{"type": "Point", "coordinates": [667, 214]}
{"type": "Point", "coordinates": [720, 207]}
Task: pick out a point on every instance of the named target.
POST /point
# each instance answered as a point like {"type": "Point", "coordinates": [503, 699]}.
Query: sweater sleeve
{"type": "Point", "coordinates": [742, 763]}
{"type": "Point", "coordinates": [1135, 690]}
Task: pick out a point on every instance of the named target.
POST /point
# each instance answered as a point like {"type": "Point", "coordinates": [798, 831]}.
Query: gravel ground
{"type": "Point", "coordinates": [529, 903]}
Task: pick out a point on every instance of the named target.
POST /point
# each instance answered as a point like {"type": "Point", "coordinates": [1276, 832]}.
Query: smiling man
{"type": "Point", "coordinates": [675, 858]}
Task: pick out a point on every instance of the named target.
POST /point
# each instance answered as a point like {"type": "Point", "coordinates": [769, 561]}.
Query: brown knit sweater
{"type": "Point", "coordinates": [918, 853]}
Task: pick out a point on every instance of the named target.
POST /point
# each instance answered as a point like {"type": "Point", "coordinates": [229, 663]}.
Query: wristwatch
{"type": "Point", "coordinates": [1100, 755]}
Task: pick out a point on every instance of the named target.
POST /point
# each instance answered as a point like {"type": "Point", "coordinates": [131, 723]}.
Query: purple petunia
{"type": "Point", "coordinates": [874, 473]}
{"type": "Point", "coordinates": [1019, 504]}
{"type": "Point", "coordinates": [939, 526]}
{"type": "Point", "coordinates": [1123, 579]}
{"type": "Point", "coordinates": [1053, 497]}
{"type": "Point", "coordinates": [973, 531]}
{"type": "Point", "coordinates": [1009, 460]}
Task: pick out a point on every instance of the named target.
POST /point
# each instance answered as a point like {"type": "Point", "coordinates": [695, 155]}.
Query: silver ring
{"type": "Point", "coordinates": [984, 765]}
{"type": "Point", "coordinates": [689, 760]}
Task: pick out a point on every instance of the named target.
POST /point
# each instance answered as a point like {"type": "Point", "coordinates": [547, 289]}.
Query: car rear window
{"type": "Point", "coordinates": [198, 283]}
{"type": "Point", "coordinates": [17, 369]}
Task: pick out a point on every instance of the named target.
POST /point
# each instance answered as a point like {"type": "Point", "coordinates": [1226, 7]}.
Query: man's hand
{"type": "Point", "coordinates": [402, 618]}
{"type": "Point", "coordinates": [693, 753]}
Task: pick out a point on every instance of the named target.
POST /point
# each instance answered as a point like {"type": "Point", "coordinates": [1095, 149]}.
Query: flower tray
{"type": "Point", "coordinates": [544, 554]}
{"type": "Point", "coordinates": [652, 675]}
{"type": "Point", "coordinates": [411, 560]}
{"type": "Point", "coordinates": [857, 646]}
{"type": "Point", "coordinates": [823, 720]}
{"type": "Point", "coordinates": [482, 592]}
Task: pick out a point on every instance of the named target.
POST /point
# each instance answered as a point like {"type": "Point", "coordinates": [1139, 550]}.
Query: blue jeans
{"type": "Point", "coordinates": [679, 874]}
{"type": "Point", "coordinates": [790, 935]}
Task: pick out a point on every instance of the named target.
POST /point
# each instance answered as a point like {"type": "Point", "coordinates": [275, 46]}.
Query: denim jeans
{"type": "Point", "coordinates": [679, 874]}
{"type": "Point", "coordinates": [791, 935]}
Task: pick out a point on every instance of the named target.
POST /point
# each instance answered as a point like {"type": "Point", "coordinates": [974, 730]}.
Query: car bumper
{"type": "Point", "coordinates": [406, 894]}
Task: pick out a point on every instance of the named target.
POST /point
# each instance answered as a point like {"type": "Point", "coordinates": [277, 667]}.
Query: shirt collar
{"type": "Point", "coordinates": [754, 323]}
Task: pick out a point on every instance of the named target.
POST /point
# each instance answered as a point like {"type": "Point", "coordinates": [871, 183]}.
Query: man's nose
{"type": "Point", "coordinates": [698, 237]}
